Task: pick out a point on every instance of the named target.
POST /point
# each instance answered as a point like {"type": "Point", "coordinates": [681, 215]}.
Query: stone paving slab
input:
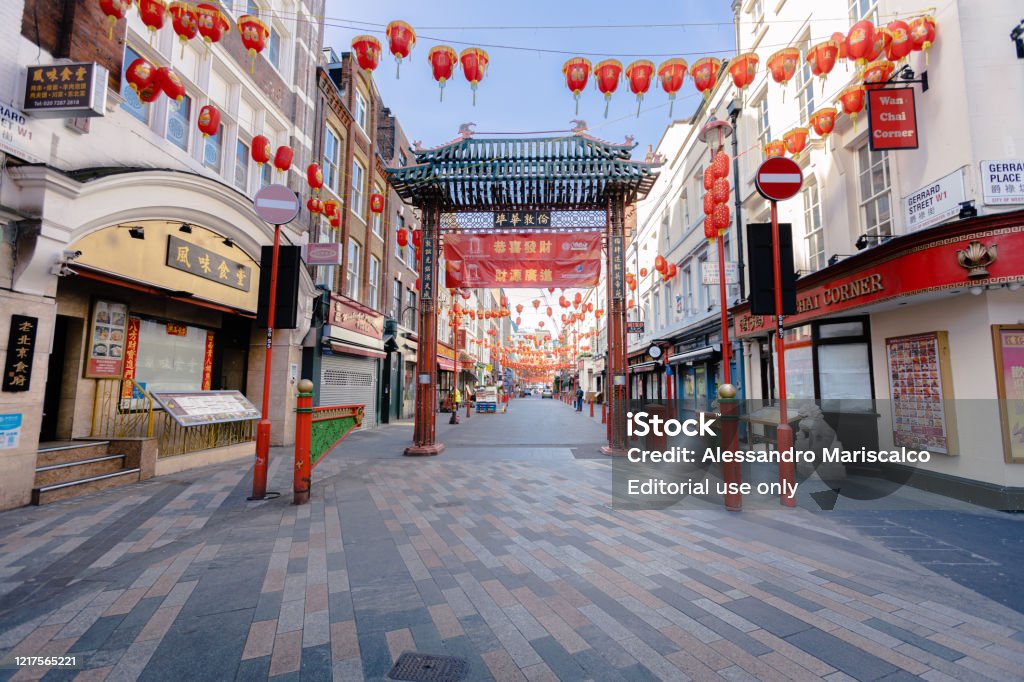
{"type": "Point", "coordinates": [510, 557]}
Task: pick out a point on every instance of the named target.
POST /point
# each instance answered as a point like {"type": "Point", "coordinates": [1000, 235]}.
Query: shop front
{"type": "Point", "coordinates": [646, 377]}
{"type": "Point", "coordinates": [695, 366]}
{"type": "Point", "coordinates": [445, 376]}
{"type": "Point", "coordinates": [352, 357]}
{"type": "Point", "coordinates": [916, 343]}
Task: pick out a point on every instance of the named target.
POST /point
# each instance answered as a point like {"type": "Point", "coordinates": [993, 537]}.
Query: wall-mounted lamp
{"type": "Point", "coordinates": [862, 241]}
{"type": "Point", "coordinates": [836, 257]}
{"type": "Point", "coordinates": [967, 210]}
{"type": "Point", "coordinates": [137, 232]}
{"type": "Point", "coordinates": [186, 228]}
{"type": "Point", "coordinates": [227, 242]}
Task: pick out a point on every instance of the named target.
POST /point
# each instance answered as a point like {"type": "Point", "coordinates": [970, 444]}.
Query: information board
{"type": "Point", "coordinates": [192, 408]}
{"type": "Point", "coordinates": [919, 382]}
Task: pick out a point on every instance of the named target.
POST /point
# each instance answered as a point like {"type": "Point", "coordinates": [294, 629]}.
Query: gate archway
{"type": "Point", "coordinates": [579, 182]}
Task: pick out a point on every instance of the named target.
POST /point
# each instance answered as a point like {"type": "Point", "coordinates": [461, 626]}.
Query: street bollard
{"type": "Point", "coordinates": [467, 409]}
{"type": "Point", "coordinates": [603, 409]}
{"type": "Point", "coordinates": [591, 409]}
{"type": "Point", "coordinates": [732, 472]}
{"type": "Point", "coordinates": [302, 477]}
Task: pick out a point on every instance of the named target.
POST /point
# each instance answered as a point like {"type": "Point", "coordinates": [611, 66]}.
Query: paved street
{"type": "Point", "coordinates": [503, 551]}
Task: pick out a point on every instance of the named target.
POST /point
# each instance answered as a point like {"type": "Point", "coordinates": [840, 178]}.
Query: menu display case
{"type": "Point", "coordinates": [921, 390]}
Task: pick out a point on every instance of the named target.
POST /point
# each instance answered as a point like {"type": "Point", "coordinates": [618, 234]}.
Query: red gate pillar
{"type": "Point", "coordinates": [616, 269]}
{"type": "Point", "coordinates": [425, 426]}
{"type": "Point", "coordinates": [303, 475]}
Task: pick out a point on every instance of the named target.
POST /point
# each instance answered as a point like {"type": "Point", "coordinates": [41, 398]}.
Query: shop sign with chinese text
{"type": "Point", "coordinates": [352, 316]}
{"type": "Point", "coordinates": [65, 90]}
{"type": "Point", "coordinates": [892, 118]}
{"type": "Point", "coordinates": [183, 255]}
{"type": "Point", "coordinates": [21, 345]}
{"type": "Point", "coordinates": [936, 203]}
{"type": "Point", "coordinates": [1002, 182]}
{"type": "Point", "coordinates": [522, 260]}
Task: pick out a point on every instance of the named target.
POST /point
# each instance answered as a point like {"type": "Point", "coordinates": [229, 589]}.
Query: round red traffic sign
{"type": "Point", "coordinates": [276, 204]}
{"type": "Point", "coordinates": [779, 178]}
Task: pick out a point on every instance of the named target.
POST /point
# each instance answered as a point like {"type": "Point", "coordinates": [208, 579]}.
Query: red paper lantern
{"type": "Point", "coordinates": [721, 217]}
{"type": "Point", "coordinates": [335, 220]}
{"type": "Point", "coordinates": [402, 237]}
{"type": "Point", "coordinates": [577, 73]}
{"type": "Point", "coordinates": [922, 34]}
{"type": "Point", "coordinates": [185, 22]}
{"type": "Point", "coordinates": [170, 83]}
{"type": "Point", "coordinates": [704, 73]}
{"type": "Point", "coordinates": [598, 313]}
{"type": "Point", "coordinates": [255, 35]}
{"type": "Point", "coordinates": [283, 158]}
{"type": "Point", "coordinates": [150, 93]}
{"type": "Point", "coordinates": [331, 209]}
{"type": "Point", "coordinates": [631, 284]}
{"type": "Point", "coordinates": [782, 65]}
{"type": "Point", "coordinates": [659, 263]}
{"type": "Point", "coordinates": [720, 190]}
{"type": "Point", "coordinates": [822, 58]}
{"type": "Point", "coordinates": [315, 205]}
{"type": "Point", "coordinates": [743, 69]}
{"type": "Point", "coordinates": [417, 238]}
{"type": "Point", "coordinates": [631, 303]}
{"type": "Point", "coordinates": [880, 44]}
{"type": "Point", "coordinates": [639, 74]}
{"type": "Point", "coordinates": [551, 290]}
{"type": "Point", "coordinates": [536, 304]}
{"type": "Point", "coordinates": [852, 102]}
{"type": "Point", "coordinates": [720, 165]}
{"type": "Point", "coordinates": [401, 40]}
{"type": "Point", "coordinates": [549, 311]}
{"type": "Point", "coordinates": [607, 75]}
{"type": "Point", "coordinates": [878, 72]}
{"type": "Point", "coordinates": [314, 176]}
{"type": "Point", "coordinates": [474, 67]}
{"type": "Point", "coordinates": [710, 231]}
{"type": "Point", "coordinates": [152, 13]}
{"type": "Point", "coordinates": [260, 149]}
{"type": "Point", "coordinates": [578, 298]}
{"type": "Point", "coordinates": [442, 63]}
{"type": "Point", "coordinates": [671, 74]}
{"type": "Point", "coordinates": [209, 120]}
{"type": "Point", "coordinates": [140, 74]}
{"type": "Point", "coordinates": [709, 203]}
{"type": "Point", "coordinates": [860, 42]}
{"type": "Point", "coordinates": [212, 23]}
{"type": "Point", "coordinates": [590, 307]}
{"type": "Point", "coordinates": [672, 270]}
{"type": "Point", "coordinates": [115, 11]}
{"type": "Point", "coordinates": [901, 45]}
{"type": "Point", "coordinates": [377, 202]}
{"type": "Point", "coordinates": [541, 324]}
{"type": "Point", "coordinates": [839, 38]}
{"type": "Point", "coordinates": [643, 272]}
{"type": "Point", "coordinates": [795, 140]}
{"type": "Point", "coordinates": [367, 52]}
{"type": "Point", "coordinates": [519, 307]}
{"type": "Point", "coordinates": [824, 121]}
{"type": "Point", "coordinates": [709, 178]}
{"type": "Point", "coordinates": [775, 148]}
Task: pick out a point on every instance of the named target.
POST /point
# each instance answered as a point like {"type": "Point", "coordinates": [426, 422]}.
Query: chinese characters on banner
{"type": "Point", "coordinates": [21, 345]}
{"type": "Point", "coordinates": [427, 268]}
{"type": "Point", "coordinates": [522, 219]}
{"type": "Point", "coordinates": [208, 362]}
{"type": "Point", "coordinates": [522, 260]}
{"type": "Point", "coordinates": [618, 268]}
{"type": "Point", "coordinates": [1010, 378]}
{"type": "Point", "coordinates": [189, 257]}
{"type": "Point", "coordinates": [106, 340]}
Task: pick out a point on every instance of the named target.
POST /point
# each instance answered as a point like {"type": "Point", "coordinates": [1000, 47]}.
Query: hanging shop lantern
{"type": "Point", "coordinates": [720, 165]}
{"type": "Point", "coordinates": [255, 35]}
{"type": "Point", "coordinates": [541, 324]}
{"type": "Point", "coordinates": [824, 121]}
{"type": "Point", "coordinates": [536, 304]}
{"type": "Point", "coordinates": [598, 313]}
{"type": "Point", "coordinates": [402, 237]}
{"type": "Point", "coordinates": [704, 73]}
{"type": "Point", "coordinates": [720, 191]}
{"type": "Point", "coordinates": [377, 202]}
{"type": "Point", "coordinates": [782, 65]}
{"type": "Point", "coordinates": [550, 311]}
{"type": "Point", "coordinates": [577, 74]}
{"type": "Point", "coordinates": [551, 290]}
{"type": "Point", "coordinates": [442, 63]}
{"type": "Point", "coordinates": [775, 148]}
{"type": "Point", "coordinates": [860, 41]}
{"type": "Point", "coordinates": [878, 72]}
{"type": "Point", "coordinates": [578, 298]}
{"type": "Point", "coordinates": [115, 11]}
{"type": "Point", "coordinates": [852, 102]}
{"type": "Point", "coordinates": [315, 205]}
{"type": "Point", "coordinates": [639, 74]}
{"type": "Point", "coordinates": [659, 263]}
{"type": "Point", "coordinates": [822, 58]}
{"type": "Point", "coordinates": [150, 93]}
{"type": "Point", "coordinates": [643, 272]}
{"type": "Point", "coordinates": [260, 149]}
{"type": "Point", "coordinates": [839, 38]}
{"type": "Point", "coordinates": [401, 40]}
{"type": "Point", "coordinates": [474, 67]}
{"type": "Point", "coordinates": [795, 140]}
{"type": "Point", "coordinates": [922, 34]}
{"type": "Point", "coordinates": [283, 158]}
{"type": "Point", "coordinates": [709, 203]}
{"type": "Point", "coordinates": [709, 178]}
{"type": "Point", "coordinates": [607, 75]}
{"type": "Point", "coordinates": [417, 239]}
{"type": "Point", "coordinates": [671, 272]}
{"type": "Point", "coordinates": [152, 13]}
{"type": "Point", "coordinates": [367, 52]}
{"type": "Point", "coordinates": [722, 217]}
{"type": "Point", "coordinates": [590, 307]}
{"type": "Point", "coordinates": [335, 220]}
{"type": "Point", "coordinates": [901, 45]}
{"type": "Point", "coordinates": [519, 307]}
{"type": "Point", "coordinates": [671, 74]}
{"type": "Point", "coordinates": [331, 209]}
{"type": "Point", "coordinates": [140, 74]}
{"type": "Point", "coordinates": [631, 284]}
{"type": "Point", "coordinates": [169, 82]}
{"type": "Point", "coordinates": [710, 231]}
{"type": "Point", "coordinates": [185, 22]}
{"type": "Point", "coordinates": [209, 120]}
{"type": "Point", "coordinates": [314, 176]}
{"type": "Point", "coordinates": [213, 25]}
{"type": "Point", "coordinates": [743, 69]}
{"type": "Point", "coordinates": [631, 303]}
{"type": "Point", "coordinates": [880, 44]}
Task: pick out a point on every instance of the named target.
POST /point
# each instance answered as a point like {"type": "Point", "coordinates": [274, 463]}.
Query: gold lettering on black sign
{"type": "Point", "coordinates": [21, 345]}
{"type": "Point", "coordinates": [192, 258]}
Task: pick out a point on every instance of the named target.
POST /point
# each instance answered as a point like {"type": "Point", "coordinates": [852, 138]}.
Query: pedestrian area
{"type": "Point", "coordinates": [502, 551]}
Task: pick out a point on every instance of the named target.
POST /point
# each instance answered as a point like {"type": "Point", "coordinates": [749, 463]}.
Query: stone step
{"type": "Point", "coordinates": [49, 454]}
{"type": "Point", "coordinates": [69, 489]}
{"type": "Point", "coordinates": [77, 470]}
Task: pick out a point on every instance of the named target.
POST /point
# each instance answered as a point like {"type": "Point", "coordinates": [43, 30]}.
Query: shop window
{"type": "Point", "coordinates": [132, 104]}
{"type": "Point", "coordinates": [179, 116]}
{"type": "Point", "coordinates": [373, 282]}
{"type": "Point", "coordinates": [332, 160]}
{"type": "Point", "coordinates": [843, 372]}
{"type": "Point", "coordinates": [241, 165]}
{"type": "Point", "coordinates": [168, 359]}
{"type": "Point", "coordinates": [875, 202]}
{"type": "Point", "coordinates": [814, 235]}
{"type": "Point", "coordinates": [213, 150]}
{"type": "Point", "coordinates": [355, 258]}
{"type": "Point", "coordinates": [358, 188]}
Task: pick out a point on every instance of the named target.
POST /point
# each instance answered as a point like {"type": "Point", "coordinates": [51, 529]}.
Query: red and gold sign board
{"type": "Point", "coordinates": [348, 314]}
{"type": "Point", "coordinates": [893, 118]}
{"type": "Point", "coordinates": [522, 260]}
{"type": "Point", "coordinates": [131, 356]}
{"type": "Point", "coordinates": [1008, 341]}
{"type": "Point", "coordinates": [208, 363]}
{"type": "Point", "coordinates": [177, 329]}
{"type": "Point", "coordinates": [943, 265]}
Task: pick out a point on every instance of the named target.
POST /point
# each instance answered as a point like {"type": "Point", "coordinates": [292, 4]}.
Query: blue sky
{"type": "Point", "coordinates": [525, 90]}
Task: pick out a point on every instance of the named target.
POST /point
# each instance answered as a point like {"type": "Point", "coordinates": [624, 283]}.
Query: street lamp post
{"type": "Point", "coordinates": [714, 135]}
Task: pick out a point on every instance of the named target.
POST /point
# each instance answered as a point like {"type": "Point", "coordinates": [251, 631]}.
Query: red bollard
{"type": "Point", "coordinates": [302, 478]}
{"type": "Point", "coordinates": [467, 409]}
{"type": "Point", "coordinates": [603, 411]}
{"type": "Point", "coordinates": [732, 472]}
{"type": "Point", "coordinates": [591, 409]}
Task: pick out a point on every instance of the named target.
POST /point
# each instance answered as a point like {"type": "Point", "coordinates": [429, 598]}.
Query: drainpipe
{"type": "Point", "coordinates": [741, 365]}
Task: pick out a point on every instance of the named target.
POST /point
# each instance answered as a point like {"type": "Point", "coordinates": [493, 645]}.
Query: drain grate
{"type": "Point", "coordinates": [429, 668]}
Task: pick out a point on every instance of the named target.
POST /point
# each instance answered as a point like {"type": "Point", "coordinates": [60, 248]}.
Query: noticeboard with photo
{"type": "Point", "coordinates": [920, 386]}
{"type": "Point", "coordinates": [107, 330]}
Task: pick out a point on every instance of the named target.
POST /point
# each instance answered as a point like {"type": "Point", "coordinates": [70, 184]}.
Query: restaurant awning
{"type": "Point", "coordinates": [697, 354]}
{"type": "Point", "coordinates": [643, 367]}
{"type": "Point", "coordinates": [446, 364]}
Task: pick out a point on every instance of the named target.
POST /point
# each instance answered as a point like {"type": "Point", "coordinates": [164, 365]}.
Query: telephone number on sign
{"type": "Point", "coordinates": [49, 661]}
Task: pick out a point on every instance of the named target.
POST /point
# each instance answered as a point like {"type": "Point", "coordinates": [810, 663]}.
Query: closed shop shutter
{"type": "Point", "coordinates": [349, 380]}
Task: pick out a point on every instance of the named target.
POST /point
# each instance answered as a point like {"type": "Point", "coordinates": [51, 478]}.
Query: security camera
{"type": "Point", "coordinates": [72, 255]}
{"type": "Point", "coordinates": [62, 270]}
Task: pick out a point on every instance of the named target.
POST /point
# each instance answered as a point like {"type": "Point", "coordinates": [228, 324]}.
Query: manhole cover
{"type": "Point", "coordinates": [429, 668]}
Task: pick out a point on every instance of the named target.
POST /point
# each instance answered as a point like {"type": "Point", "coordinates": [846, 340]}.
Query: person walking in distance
{"type": "Point", "coordinates": [579, 399]}
{"type": "Point", "coordinates": [456, 399]}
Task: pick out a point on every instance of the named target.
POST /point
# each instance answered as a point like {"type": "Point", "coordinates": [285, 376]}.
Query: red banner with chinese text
{"type": "Point", "coordinates": [513, 274]}
{"type": "Point", "coordinates": [522, 260]}
{"type": "Point", "coordinates": [131, 354]}
{"type": "Point", "coordinates": [208, 362]}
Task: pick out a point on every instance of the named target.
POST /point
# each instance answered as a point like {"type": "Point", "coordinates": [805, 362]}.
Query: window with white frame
{"type": "Point", "coordinates": [410, 254]}
{"type": "Point", "coordinates": [666, 227]}
{"type": "Point", "coordinates": [814, 235]}
{"type": "Point", "coordinates": [355, 259]}
{"type": "Point", "coordinates": [358, 188]}
{"type": "Point", "coordinates": [757, 13]}
{"type": "Point", "coordinates": [213, 150]}
{"type": "Point", "coordinates": [669, 298]}
{"type": "Point", "coordinates": [687, 292]}
{"type": "Point", "coordinates": [373, 283]}
{"type": "Point", "coordinates": [704, 299]}
{"type": "Point", "coordinates": [396, 300]}
{"type": "Point", "coordinates": [377, 219]}
{"type": "Point", "coordinates": [360, 110]}
{"type": "Point", "coordinates": [657, 310]}
{"type": "Point", "coordinates": [179, 118]}
{"type": "Point", "coordinates": [274, 46]}
{"type": "Point", "coordinates": [684, 204]}
{"type": "Point", "coordinates": [399, 225]}
{"type": "Point", "coordinates": [325, 235]}
{"type": "Point", "coordinates": [332, 160]}
{"type": "Point", "coordinates": [241, 165]}
{"type": "Point", "coordinates": [862, 9]}
{"type": "Point", "coordinates": [875, 202]}
{"type": "Point", "coordinates": [805, 83]}
{"type": "Point", "coordinates": [132, 104]}
{"type": "Point", "coordinates": [410, 303]}
{"type": "Point", "coordinates": [266, 174]}
{"type": "Point", "coordinates": [764, 128]}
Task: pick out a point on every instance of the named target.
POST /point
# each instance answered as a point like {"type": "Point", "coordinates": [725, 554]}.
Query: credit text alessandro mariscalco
{"type": "Point", "coordinates": [643, 424]}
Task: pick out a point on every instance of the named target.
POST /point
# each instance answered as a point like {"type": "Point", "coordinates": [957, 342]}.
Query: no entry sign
{"type": "Point", "coordinates": [276, 204]}
{"type": "Point", "coordinates": [778, 178]}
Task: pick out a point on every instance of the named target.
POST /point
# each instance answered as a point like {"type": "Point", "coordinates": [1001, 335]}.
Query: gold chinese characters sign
{"type": "Point", "coordinates": [64, 90]}
{"type": "Point", "coordinates": [522, 219]}
{"type": "Point", "coordinates": [193, 258]}
{"type": "Point", "coordinates": [21, 345]}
